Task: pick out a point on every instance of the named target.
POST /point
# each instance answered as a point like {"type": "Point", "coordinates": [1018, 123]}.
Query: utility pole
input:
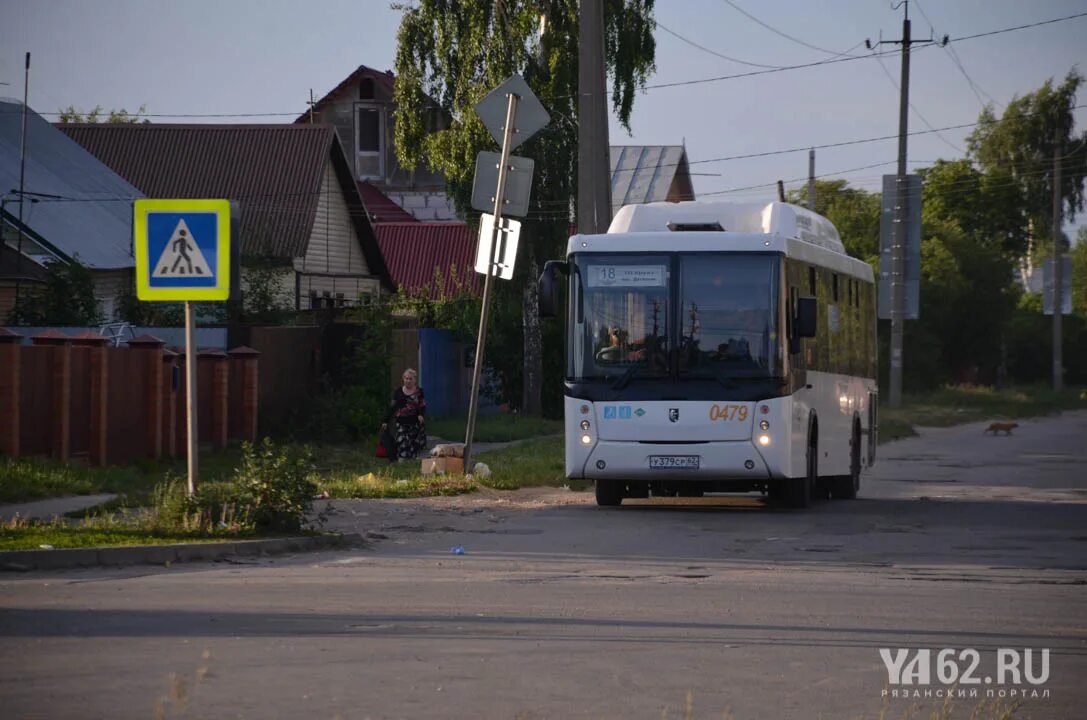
{"type": "Point", "coordinates": [811, 179]}
{"type": "Point", "coordinates": [22, 186]}
{"type": "Point", "coordinates": [593, 153]}
{"type": "Point", "coordinates": [311, 103]}
{"type": "Point", "coordinates": [1058, 270]}
{"type": "Point", "coordinates": [898, 249]}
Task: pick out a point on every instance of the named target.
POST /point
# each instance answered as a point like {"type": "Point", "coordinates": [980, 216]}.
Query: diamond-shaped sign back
{"type": "Point", "coordinates": [530, 118]}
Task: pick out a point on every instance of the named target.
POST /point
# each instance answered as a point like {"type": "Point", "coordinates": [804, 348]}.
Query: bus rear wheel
{"type": "Point", "coordinates": [845, 487]}
{"type": "Point", "coordinates": [609, 493]}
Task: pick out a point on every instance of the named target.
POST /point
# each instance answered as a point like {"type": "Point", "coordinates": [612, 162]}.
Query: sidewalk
{"type": "Point", "coordinates": [48, 509]}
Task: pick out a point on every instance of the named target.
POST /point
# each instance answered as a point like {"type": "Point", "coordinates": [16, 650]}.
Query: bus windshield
{"type": "Point", "coordinates": [689, 316]}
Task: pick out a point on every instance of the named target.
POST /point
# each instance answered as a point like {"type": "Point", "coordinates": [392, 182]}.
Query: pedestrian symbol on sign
{"type": "Point", "coordinates": [181, 257]}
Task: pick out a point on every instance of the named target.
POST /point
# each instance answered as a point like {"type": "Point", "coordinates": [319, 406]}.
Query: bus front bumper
{"type": "Point", "coordinates": [739, 460]}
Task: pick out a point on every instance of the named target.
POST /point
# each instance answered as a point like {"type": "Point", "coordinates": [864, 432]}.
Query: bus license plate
{"type": "Point", "coordinates": [678, 462]}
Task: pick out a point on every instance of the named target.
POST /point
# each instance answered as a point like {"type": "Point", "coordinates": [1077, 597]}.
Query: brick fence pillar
{"type": "Point", "coordinates": [245, 360]}
{"type": "Point", "coordinates": [10, 387]}
{"type": "Point", "coordinates": [99, 414]}
{"type": "Point", "coordinates": [61, 430]}
{"type": "Point", "coordinates": [150, 348]}
{"type": "Point", "coordinates": [220, 396]}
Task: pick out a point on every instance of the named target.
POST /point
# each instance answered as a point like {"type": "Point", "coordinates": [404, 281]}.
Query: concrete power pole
{"type": "Point", "coordinates": [593, 161]}
{"type": "Point", "coordinates": [1058, 270]}
{"type": "Point", "coordinates": [898, 262]}
{"type": "Point", "coordinates": [898, 249]}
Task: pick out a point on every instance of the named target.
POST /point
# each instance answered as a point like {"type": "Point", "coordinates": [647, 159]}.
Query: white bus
{"type": "Point", "coordinates": [714, 347]}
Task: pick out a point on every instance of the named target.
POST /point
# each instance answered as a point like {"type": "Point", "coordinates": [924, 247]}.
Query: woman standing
{"type": "Point", "coordinates": [407, 413]}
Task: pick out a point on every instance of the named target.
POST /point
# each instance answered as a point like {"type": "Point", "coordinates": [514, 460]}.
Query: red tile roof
{"type": "Point", "coordinates": [380, 208]}
{"type": "Point", "coordinates": [414, 250]}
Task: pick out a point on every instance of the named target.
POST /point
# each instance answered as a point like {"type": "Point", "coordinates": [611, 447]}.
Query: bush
{"type": "Point", "coordinates": [275, 485]}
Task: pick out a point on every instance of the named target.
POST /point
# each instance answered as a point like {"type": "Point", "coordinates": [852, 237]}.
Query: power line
{"type": "Point", "coordinates": [798, 41]}
{"type": "Point", "coordinates": [1020, 27]}
{"type": "Point", "coordinates": [753, 73]}
{"type": "Point", "coordinates": [917, 112]}
{"type": "Point", "coordinates": [954, 56]}
{"type": "Point", "coordinates": [692, 43]}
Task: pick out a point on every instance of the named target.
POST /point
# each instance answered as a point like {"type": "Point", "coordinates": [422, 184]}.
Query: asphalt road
{"type": "Point", "coordinates": [560, 609]}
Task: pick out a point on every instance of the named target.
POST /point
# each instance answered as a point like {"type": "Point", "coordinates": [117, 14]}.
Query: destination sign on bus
{"type": "Point", "coordinates": [626, 276]}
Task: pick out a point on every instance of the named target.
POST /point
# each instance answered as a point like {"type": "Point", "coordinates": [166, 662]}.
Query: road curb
{"type": "Point", "coordinates": [24, 560]}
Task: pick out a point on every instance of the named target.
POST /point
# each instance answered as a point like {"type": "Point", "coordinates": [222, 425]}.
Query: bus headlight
{"type": "Point", "coordinates": [584, 424]}
{"type": "Point", "coordinates": [764, 440]}
{"type": "Point", "coordinates": [586, 439]}
{"type": "Point", "coordinates": [764, 424]}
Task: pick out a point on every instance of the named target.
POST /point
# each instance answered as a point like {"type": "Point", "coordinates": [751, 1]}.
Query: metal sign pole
{"type": "Point", "coordinates": [481, 341]}
{"type": "Point", "coordinates": [190, 394]}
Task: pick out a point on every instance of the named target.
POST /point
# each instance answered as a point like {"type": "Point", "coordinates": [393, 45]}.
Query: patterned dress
{"type": "Point", "coordinates": [409, 434]}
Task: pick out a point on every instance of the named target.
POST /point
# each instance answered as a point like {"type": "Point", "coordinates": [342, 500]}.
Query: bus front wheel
{"type": "Point", "coordinates": [797, 491]}
{"type": "Point", "coordinates": [609, 493]}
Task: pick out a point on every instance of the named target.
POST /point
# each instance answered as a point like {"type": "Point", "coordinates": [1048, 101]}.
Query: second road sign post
{"type": "Point", "coordinates": [183, 254]}
{"type": "Point", "coordinates": [515, 95]}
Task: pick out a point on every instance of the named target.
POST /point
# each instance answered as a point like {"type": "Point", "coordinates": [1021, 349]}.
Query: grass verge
{"type": "Point", "coordinates": [33, 537]}
{"type": "Point", "coordinates": [501, 427]}
{"type": "Point", "coordinates": [955, 405]}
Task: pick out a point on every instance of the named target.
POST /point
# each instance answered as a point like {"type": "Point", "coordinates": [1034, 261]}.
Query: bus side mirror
{"type": "Point", "coordinates": [548, 290]}
{"type": "Point", "coordinates": [805, 317]}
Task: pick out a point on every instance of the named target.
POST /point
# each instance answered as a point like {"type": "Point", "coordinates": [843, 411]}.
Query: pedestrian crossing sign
{"type": "Point", "coordinates": [182, 249]}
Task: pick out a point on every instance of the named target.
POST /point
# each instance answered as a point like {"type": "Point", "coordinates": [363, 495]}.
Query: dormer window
{"type": "Point", "coordinates": [370, 142]}
{"type": "Point", "coordinates": [366, 89]}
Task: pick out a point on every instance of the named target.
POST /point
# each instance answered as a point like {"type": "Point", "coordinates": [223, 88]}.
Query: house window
{"type": "Point", "coordinates": [370, 145]}
{"type": "Point", "coordinates": [366, 89]}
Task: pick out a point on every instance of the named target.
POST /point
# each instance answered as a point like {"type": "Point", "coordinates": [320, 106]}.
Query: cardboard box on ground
{"type": "Point", "coordinates": [442, 465]}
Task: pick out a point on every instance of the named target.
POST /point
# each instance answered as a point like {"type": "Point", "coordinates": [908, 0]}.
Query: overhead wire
{"type": "Point", "coordinates": [785, 35]}
{"type": "Point", "coordinates": [704, 49]}
{"type": "Point", "coordinates": [957, 61]}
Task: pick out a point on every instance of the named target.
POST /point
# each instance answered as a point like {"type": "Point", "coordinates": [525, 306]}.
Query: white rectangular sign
{"type": "Point", "coordinates": [506, 253]}
{"type": "Point", "coordinates": [626, 276]}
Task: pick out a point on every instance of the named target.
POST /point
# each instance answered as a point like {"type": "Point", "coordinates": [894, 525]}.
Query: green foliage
{"type": "Point", "coordinates": [1078, 255]}
{"type": "Point", "coordinates": [1018, 149]}
{"type": "Point", "coordinates": [449, 55]}
{"type": "Point", "coordinates": [854, 212]}
{"type": "Point", "coordinates": [72, 114]}
{"type": "Point", "coordinates": [65, 299]}
{"type": "Point", "coordinates": [274, 484]}
{"type": "Point", "coordinates": [449, 303]}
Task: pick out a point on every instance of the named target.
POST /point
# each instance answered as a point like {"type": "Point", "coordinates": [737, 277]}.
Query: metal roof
{"type": "Point", "coordinates": [414, 249]}
{"type": "Point", "coordinates": [274, 172]}
{"type": "Point", "coordinates": [381, 208]}
{"type": "Point", "coordinates": [91, 217]}
{"type": "Point", "coordinates": [646, 173]}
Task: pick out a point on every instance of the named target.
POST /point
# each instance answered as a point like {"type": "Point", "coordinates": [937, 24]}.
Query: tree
{"type": "Point", "coordinates": [450, 55]}
{"type": "Point", "coordinates": [1078, 256]}
{"type": "Point", "coordinates": [72, 114]}
{"type": "Point", "coordinates": [854, 212]}
{"type": "Point", "coordinates": [1017, 150]}
{"type": "Point", "coordinates": [65, 299]}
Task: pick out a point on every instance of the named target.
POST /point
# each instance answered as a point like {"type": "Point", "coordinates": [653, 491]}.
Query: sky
{"type": "Point", "coordinates": [257, 61]}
